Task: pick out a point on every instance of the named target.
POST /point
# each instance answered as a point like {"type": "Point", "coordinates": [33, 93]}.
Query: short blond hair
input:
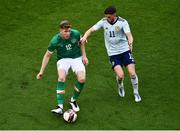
{"type": "Point", "coordinates": [64, 24]}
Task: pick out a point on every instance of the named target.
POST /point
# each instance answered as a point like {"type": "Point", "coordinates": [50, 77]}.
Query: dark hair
{"type": "Point", "coordinates": [64, 24]}
{"type": "Point", "coordinates": [110, 10]}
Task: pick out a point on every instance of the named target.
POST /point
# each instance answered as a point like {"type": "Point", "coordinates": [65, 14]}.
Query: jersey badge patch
{"type": "Point", "coordinates": [73, 40]}
{"type": "Point", "coordinates": [117, 28]}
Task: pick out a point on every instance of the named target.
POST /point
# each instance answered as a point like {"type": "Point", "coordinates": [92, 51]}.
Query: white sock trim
{"type": "Point", "coordinates": [60, 105]}
{"type": "Point", "coordinates": [72, 99]}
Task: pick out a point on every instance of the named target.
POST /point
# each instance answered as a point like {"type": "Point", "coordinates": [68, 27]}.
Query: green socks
{"type": "Point", "coordinates": [60, 96]}
{"type": "Point", "coordinates": [79, 86]}
{"type": "Point", "coordinates": [60, 91]}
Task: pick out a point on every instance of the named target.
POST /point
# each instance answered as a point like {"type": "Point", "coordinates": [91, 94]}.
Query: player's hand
{"type": "Point", "coordinates": [130, 47]}
{"type": "Point", "coordinates": [85, 60]}
{"type": "Point", "coordinates": [83, 41]}
{"type": "Point", "coordinates": [39, 76]}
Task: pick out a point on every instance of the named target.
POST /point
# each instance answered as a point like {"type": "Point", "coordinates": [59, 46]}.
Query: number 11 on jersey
{"type": "Point", "coordinates": [111, 34]}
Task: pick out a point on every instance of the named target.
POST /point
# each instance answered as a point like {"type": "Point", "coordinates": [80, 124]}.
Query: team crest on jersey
{"type": "Point", "coordinates": [73, 40]}
{"type": "Point", "coordinates": [117, 28]}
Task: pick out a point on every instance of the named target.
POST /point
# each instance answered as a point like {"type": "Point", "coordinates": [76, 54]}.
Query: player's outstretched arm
{"type": "Point", "coordinates": [130, 40]}
{"type": "Point", "coordinates": [84, 57]}
{"type": "Point", "coordinates": [86, 35]}
{"type": "Point", "coordinates": [45, 61]}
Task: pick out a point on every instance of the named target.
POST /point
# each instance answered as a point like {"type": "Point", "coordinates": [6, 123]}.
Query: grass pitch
{"type": "Point", "coordinates": [26, 27]}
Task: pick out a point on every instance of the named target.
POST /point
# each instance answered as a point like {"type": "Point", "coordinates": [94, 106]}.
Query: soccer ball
{"type": "Point", "coordinates": [70, 116]}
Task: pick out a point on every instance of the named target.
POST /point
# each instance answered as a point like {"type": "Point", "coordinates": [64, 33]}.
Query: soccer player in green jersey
{"type": "Point", "coordinates": [70, 54]}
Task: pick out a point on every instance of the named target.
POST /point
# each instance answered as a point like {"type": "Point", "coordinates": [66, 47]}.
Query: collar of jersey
{"type": "Point", "coordinates": [114, 21]}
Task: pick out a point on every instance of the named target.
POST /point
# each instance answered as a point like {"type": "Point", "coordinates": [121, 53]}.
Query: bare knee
{"type": "Point", "coordinates": [119, 72]}
{"type": "Point", "coordinates": [81, 79]}
{"type": "Point", "coordinates": [132, 73]}
{"type": "Point", "coordinates": [131, 70]}
{"type": "Point", "coordinates": [61, 75]}
{"type": "Point", "coordinates": [134, 76]}
{"type": "Point", "coordinates": [120, 76]}
{"type": "Point", "coordinates": [62, 79]}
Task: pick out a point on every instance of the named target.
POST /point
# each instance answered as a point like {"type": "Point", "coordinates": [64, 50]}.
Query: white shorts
{"type": "Point", "coordinates": [75, 64]}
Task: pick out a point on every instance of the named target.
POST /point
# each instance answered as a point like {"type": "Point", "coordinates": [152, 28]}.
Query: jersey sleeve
{"type": "Point", "coordinates": [126, 28]}
{"type": "Point", "coordinates": [98, 25]}
{"type": "Point", "coordinates": [52, 44]}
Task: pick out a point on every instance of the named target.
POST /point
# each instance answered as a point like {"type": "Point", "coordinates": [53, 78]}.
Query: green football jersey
{"type": "Point", "coordinates": [69, 48]}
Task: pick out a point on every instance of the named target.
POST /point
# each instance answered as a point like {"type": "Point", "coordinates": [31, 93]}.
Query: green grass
{"type": "Point", "coordinates": [26, 27]}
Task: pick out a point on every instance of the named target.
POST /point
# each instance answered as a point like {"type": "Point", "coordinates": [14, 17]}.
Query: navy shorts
{"type": "Point", "coordinates": [123, 59]}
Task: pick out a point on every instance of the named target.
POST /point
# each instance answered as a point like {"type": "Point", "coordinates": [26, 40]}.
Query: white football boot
{"type": "Point", "coordinates": [137, 97]}
{"type": "Point", "coordinates": [74, 105]}
{"type": "Point", "coordinates": [58, 110]}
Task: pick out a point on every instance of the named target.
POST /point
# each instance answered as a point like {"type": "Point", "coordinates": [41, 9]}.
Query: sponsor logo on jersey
{"type": "Point", "coordinates": [117, 28]}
